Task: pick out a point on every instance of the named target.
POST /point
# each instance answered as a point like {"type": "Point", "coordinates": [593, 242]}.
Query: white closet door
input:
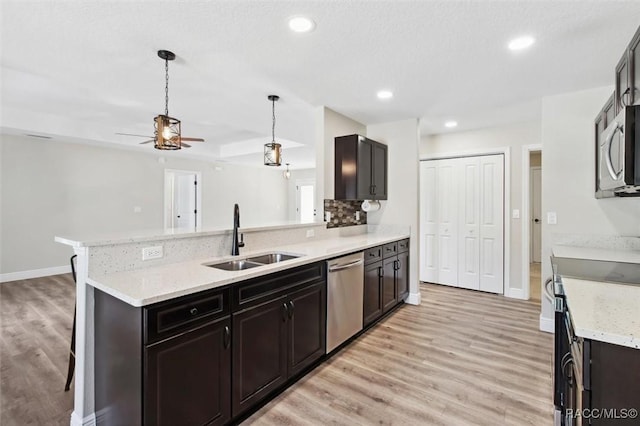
{"type": "Point", "coordinates": [492, 223]}
{"type": "Point", "coordinates": [469, 223]}
{"type": "Point", "coordinates": [428, 222]}
{"type": "Point", "coordinates": [447, 205]}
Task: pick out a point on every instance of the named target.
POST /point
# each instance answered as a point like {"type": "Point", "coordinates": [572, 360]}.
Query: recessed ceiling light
{"type": "Point", "coordinates": [521, 43]}
{"type": "Point", "coordinates": [385, 94]}
{"type": "Point", "coordinates": [301, 24]}
{"type": "Point", "coordinates": [450, 124]}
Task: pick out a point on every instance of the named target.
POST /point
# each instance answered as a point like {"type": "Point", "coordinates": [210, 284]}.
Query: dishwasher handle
{"type": "Point", "coordinates": [335, 268]}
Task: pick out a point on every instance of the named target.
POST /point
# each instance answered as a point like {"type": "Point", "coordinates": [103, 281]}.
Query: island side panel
{"type": "Point", "coordinates": [118, 361]}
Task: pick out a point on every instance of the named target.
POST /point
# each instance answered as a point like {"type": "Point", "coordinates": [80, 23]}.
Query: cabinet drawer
{"type": "Point", "coordinates": [403, 246]}
{"type": "Point", "coordinates": [168, 318]}
{"type": "Point", "coordinates": [390, 249]}
{"type": "Point", "coordinates": [373, 254]}
{"type": "Point", "coordinates": [257, 290]}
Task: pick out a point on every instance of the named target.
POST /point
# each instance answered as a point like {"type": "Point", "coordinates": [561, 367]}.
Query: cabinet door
{"type": "Point", "coordinates": [402, 276]}
{"type": "Point", "coordinates": [622, 82]}
{"type": "Point", "coordinates": [379, 172]}
{"type": "Point", "coordinates": [634, 70]}
{"type": "Point", "coordinates": [259, 352]}
{"type": "Point", "coordinates": [307, 326]}
{"type": "Point", "coordinates": [187, 378]}
{"type": "Point", "coordinates": [364, 166]}
{"type": "Point", "coordinates": [389, 290]}
{"type": "Point", "coordinates": [372, 293]}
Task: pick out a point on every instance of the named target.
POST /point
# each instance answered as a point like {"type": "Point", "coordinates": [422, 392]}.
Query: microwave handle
{"type": "Point", "coordinates": [608, 142]}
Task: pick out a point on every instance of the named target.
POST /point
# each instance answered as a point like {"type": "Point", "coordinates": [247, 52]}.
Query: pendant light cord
{"type": "Point", "coordinates": [273, 122]}
{"type": "Point", "coordinates": [166, 87]}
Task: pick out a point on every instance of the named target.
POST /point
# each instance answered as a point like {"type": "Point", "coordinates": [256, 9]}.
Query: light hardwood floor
{"type": "Point", "coordinates": [462, 357]}
{"type": "Point", "coordinates": [535, 281]}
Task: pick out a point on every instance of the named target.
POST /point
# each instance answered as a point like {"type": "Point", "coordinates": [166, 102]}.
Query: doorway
{"type": "Point", "coordinates": [182, 195]}
{"type": "Point", "coordinates": [305, 200]}
{"type": "Point", "coordinates": [532, 222]}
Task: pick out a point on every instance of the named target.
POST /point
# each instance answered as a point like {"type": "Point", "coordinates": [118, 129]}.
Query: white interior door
{"type": "Point", "coordinates": [447, 202]}
{"type": "Point", "coordinates": [469, 223]}
{"type": "Point", "coordinates": [181, 200]}
{"type": "Point", "coordinates": [428, 222]}
{"type": "Point", "coordinates": [536, 214]}
{"type": "Point", "coordinates": [492, 223]}
{"type": "Point", "coordinates": [305, 200]}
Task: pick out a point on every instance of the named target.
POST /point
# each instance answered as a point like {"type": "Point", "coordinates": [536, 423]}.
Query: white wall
{"type": "Point", "coordinates": [513, 136]}
{"type": "Point", "coordinates": [401, 207]}
{"type": "Point", "coordinates": [53, 188]}
{"type": "Point", "coordinates": [569, 175]}
{"type": "Point", "coordinates": [329, 125]}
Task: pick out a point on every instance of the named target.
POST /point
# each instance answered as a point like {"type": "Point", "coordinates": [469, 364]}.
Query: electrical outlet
{"type": "Point", "coordinates": [154, 252]}
{"type": "Point", "coordinates": [327, 216]}
{"type": "Point", "coordinates": [515, 214]}
{"type": "Point", "coordinates": [357, 215]}
{"type": "Point", "coordinates": [311, 233]}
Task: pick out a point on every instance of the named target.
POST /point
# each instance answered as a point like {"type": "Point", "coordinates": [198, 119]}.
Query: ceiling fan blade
{"type": "Point", "coordinates": [192, 139]}
{"type": "Point", "coordinates": [131, 134]}
{"type": "Point", "coordinates": [186, 145]}
{"type": "Point", "coordinates": [149, 141]}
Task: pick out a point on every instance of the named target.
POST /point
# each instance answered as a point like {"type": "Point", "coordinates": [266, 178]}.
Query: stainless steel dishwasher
{"type": "Point", "coordinates": [345, 292]}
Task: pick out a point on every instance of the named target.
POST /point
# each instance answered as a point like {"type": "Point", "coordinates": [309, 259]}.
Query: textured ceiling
{"type": "Point", "coordinates": [89, 69]}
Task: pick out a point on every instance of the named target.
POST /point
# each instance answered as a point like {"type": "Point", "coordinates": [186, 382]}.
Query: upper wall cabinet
{"type": "Point", "coordinates": [628, 75]}
{"type": "Point", "coordinates": [360, 169]}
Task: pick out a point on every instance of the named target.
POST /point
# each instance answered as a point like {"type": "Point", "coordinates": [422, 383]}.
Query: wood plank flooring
{"type": "Point", "coordinates": [461, 358]}
{"type": "Point", "coordinates": [36, 317]}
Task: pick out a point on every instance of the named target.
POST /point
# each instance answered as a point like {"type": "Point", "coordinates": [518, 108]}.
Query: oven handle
{"type": "Point", "coordinates": [608, 143]}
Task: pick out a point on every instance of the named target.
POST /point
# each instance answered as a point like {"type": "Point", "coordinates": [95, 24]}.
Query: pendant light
{"type": "Point", "coordinates": [167, 129]}
{"type": "Point", "coordinates": [273, 150]}
{"type": "Point", "coordinates": [287, 173]}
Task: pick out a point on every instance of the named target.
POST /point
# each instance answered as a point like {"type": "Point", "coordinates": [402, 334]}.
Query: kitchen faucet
{"type": "Point", "coordinates": [235, 245]}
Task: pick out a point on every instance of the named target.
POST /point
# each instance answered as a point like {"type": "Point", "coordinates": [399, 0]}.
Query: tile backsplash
{"type": "Point", "coordinates": [343, 213]}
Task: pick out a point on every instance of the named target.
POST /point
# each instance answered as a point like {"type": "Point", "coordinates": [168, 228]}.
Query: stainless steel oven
{"type": "Point", "coordinates": [618, 159]}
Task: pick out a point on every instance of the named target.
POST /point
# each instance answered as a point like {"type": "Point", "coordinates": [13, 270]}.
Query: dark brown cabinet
{"type": "Point", "coordinates": [187, 377]}
{"type": "Point", "coordinates": [622, 82]}
{"type": "Point", "coordinates": [386, 279]}
{"type": "Point", "coordinates": [360, 168]}
{"type": "Point", "coordinates": [281, 331]}
{"type": "Point", "coordinates": [628, 75]}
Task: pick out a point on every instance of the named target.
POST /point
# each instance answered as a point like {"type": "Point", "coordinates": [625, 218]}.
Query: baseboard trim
{"type": "Point", "coordinates": [76, 420]}
{"type": "Point", "coordinates": [547, 324]}
{"type": "Point", "coordinates": [516, 293]}
{"type": "Point", "coordinates": [413, 299]}
{"type": "Point", "coordinates": [34, 273]}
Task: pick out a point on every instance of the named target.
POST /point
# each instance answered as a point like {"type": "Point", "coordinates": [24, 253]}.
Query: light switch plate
{"type": "Point", "coordinates": [311, 233]}
{"type": "Point", "coordinates": [154, 252]}
{"type": "Point", "coordinates": [552, 219]}
{"type": "Point", "coordinates": [515, 214]}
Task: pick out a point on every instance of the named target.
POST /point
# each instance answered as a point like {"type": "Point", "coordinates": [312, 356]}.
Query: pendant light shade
{"type": "Point", "coordinates": [273, 150]}
{"type": "Point", "coordinates": [287, 173]}
{"type": "Point", "coordinates": [166, 128]}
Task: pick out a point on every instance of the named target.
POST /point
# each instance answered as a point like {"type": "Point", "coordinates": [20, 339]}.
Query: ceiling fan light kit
{"type": "Point", "coordinates": [273, 150]}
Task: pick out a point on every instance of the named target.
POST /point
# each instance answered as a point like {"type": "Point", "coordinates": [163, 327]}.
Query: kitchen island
{"type": "Point", "coordinates": [111, 269]}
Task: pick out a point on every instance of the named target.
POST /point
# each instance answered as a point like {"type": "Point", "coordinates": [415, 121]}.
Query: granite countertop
{"type": "Point", "coordinates": [151, 285]}
{"type": "Point", "coordinates": [591, 253]}
{"type": "Point", "coordinates": [607, 312]}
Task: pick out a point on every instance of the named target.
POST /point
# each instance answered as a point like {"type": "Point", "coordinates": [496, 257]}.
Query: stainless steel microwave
{"type": "Point", "coordinates": [618, 159]}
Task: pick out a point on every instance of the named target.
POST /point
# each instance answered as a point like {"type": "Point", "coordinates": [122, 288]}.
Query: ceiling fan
{"type": "Point", "coordinates": [167, 133]}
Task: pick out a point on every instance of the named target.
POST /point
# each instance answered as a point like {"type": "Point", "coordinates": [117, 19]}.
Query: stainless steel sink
{"type": "Point", "coordinates": [235, 265]}
{"type": "Point", "coordinates": [252, 262]}
{"type": "Point", "coordinates": [272, 258]}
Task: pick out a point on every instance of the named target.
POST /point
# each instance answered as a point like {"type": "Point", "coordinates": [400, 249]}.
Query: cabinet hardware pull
{"type": "Point", "coordinates": [291, 308]}
{"type": "Point", "coordinates": [227, 337]}
{"type": "Point", "coordinates": [285, 313]}
{"type": "Point", "coordinates": [194, 311]}
{"type": "Point", "coordinates": [380, 272]}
